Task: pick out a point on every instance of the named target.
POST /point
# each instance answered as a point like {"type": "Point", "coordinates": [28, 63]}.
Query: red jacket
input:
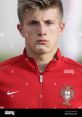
{"type": "Point", "coordinates": [23, 86]}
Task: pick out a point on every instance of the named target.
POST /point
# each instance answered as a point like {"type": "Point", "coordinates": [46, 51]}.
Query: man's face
{"type": "Point", "coordinates": [41, 30]}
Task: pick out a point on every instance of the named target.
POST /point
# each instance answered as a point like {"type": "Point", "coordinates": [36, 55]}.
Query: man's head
{"type": "Point", "coordinates": [27, 5]}
{"type": "Point", "coordinates": [40, 24]}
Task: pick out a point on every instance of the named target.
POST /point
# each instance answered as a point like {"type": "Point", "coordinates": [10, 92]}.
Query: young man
{"type": "Point", "coordinates": [40, 77]}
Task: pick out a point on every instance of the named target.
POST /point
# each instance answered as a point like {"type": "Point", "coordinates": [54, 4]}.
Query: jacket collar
{"type": "Point", "coordinates": [32, 64]}
{"type": "Point", "coordinates": [57, 55]}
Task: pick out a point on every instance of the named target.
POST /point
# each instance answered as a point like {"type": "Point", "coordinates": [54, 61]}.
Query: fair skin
{"type": "Point", "coordinates": [41, 30]}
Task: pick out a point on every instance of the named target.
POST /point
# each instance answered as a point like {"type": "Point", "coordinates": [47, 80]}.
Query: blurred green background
{"type": "Point", "coordinates": [7, 56]}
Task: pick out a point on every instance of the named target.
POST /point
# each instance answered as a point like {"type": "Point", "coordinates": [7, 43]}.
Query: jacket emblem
{"type": "Point", "coordinates": [67, 94]}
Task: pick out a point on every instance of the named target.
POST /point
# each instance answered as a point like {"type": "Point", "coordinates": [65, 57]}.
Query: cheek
{"type": "Point", "coordinates": [54, 30]}
{"type": "Point", "coordinates": [30, 39]}
{"type": "Point", "coordinates": [54, 36]}
{"type": "Point", "coordinates": [27, 34]}
{"type": "Point", "coordinates": [30, 33]}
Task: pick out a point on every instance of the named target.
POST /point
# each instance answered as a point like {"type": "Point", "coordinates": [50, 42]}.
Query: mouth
{"type": "Point", "coordinates": [42, 42]}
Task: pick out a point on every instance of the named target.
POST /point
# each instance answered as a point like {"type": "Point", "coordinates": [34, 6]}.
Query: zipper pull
{"type": "Point", "coordinates": [41, 78]}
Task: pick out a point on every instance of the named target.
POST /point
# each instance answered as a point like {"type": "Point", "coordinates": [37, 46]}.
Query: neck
{"type": "Point", "coordinates": [41, 59]}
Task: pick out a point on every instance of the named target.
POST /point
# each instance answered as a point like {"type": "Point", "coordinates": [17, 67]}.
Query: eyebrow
{"type": "Point", "coordinates": [38, 21]}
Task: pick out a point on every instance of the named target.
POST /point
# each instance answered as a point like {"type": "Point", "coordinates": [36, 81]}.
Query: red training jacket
{"type": "Point", "coordinates": [23, 86]}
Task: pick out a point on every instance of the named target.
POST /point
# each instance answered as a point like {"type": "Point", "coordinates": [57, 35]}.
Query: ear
{"type": "Point", "coordinates": [62, 26]}
{"type": "Point", "coordinates": [20, 29]}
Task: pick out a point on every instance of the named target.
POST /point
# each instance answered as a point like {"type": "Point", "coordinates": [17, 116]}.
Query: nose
{"type": "Point", "coordinates": [42, 30]}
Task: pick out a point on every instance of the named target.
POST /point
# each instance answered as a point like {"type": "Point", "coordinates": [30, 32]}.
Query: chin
{"type": "Point", "coordinates": [41, 48]}
{"type": "Point", "coordinates": [42, 51]}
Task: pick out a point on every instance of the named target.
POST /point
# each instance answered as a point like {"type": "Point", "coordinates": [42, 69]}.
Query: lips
{"type": "Point", "coordinates": [43, 42]}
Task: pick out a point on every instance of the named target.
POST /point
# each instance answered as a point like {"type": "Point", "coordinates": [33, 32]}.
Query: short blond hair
{"type": "Point", "coordinates": [26, 5]}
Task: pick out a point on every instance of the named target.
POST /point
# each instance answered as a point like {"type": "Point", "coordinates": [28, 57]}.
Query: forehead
{"type": "Point", "coordinates": [52, 13]}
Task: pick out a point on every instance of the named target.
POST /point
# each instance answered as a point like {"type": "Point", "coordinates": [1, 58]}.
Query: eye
{"type": "Point", "coordinates": [49, 22]}
{"type": "Point", "coordinates": [33, 22]}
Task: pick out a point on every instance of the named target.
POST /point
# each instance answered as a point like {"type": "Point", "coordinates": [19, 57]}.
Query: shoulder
{"type": "Point", "coordinates": [72, 63]}
{"type": "Point", "coordinates": [11, 61]}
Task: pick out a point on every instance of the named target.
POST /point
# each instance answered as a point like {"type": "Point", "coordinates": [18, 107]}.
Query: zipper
{"type": "Point", "coordinates": [41, 90]}
{"type": "Point", "coordinates": [41, 78]}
